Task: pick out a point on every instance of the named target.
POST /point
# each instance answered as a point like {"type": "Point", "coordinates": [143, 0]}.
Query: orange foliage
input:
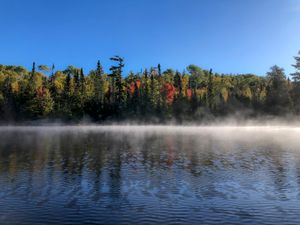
{"type": "Point", "coordinates": [138, 83]}
{"type": "Point", "coordinates": [170, 91]}
{"type": "Point", "coordinates": [132, 87]}
{"type": "Point", "coordinates": [189, 93]}
{"type": "Point", "coordinates": [40, 92]}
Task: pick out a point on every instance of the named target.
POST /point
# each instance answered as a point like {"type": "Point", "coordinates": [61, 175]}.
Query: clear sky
{"type": "Point", "coordinates": [230, 36]}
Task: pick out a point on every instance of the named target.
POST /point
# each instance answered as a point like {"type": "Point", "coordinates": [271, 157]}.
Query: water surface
{"type": "Point", "coordinates": [149, 175]}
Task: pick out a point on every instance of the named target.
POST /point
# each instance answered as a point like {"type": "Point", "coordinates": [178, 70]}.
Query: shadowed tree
{"type": "Point", "coordinates": [296, 74]}
{"type": "Point", "coordinates": [82, 82]}
{"type": "Point", "coordinates": [178, 82]}
{"type": "Point", "coordinates": [159, 69]}
{"type": "Point", "coordinates": [158, 95]}
{"type": "Point", "coordinates": [278, 99]}
{"type": "Point", "coordinates": [43, 68]}
{"type": "Point", "coordinates": [67, 97]}
{"type": "Point", "coordinates": [295, 92]}
{"type": "Point", "coordinates": [95, 105]}
{"type": "Point", "coordinates": [210, 90]}
{"type": "Point", "coordinates": [116, 83]}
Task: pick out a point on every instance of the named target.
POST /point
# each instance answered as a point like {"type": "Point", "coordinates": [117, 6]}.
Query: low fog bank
{"type": "Point", "coordinates": [225, 133]}
{"type": "Point", "coordinates": [237, 120]}
{"type": "Point", "coordinates": [283, 132]}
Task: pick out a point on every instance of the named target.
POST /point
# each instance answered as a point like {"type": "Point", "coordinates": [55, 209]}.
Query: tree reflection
{"type": "Point", "coordinates": [72, 163]}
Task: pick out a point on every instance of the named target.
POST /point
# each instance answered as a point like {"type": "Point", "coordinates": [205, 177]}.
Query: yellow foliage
{"type": "Point", "coordinates": [15, 87]}
{"type": "Point", "coordinates": [201, 92]}
{"type": "Point", "coordinates": [225, 94]}
{"type": "Point", "coordinates": [247, 93]}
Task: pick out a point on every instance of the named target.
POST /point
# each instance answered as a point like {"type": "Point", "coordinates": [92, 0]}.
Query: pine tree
{"type": "Point", "coordinates": [178, 82]}
{"type": "Point", "coordinates": [159, 70]}
{"type": "Point", "coordinates": [66, 98]}
{"type": "Point", "coordinates": [76, 82]}
{"type": "Point", "coordinates": [98, 83]}
{"type": "Point", "coordinates": [296, 75]}
{"type": "Point", "coordinates": [295, 92]}
{"type": "Point", "coordinates": [82, 82]}
{"type": "Point", "coordinates": [52, 70]}
{"type": "Point", "coordinates": [32, 82]}
{"type": "Point", "coordinates": [117, 79]}
{"type": "Point", "coordinates": [278, 99]}
{"type": "Point", "coordinates": [152, 91]}
{"type": "Point", "coordinates": [41, 104]}
{"type": "Point", "coordinates": [145, 94]}
{"type": "Point", "coordinates": [210, 90]}
{"type": "Point", "coordinates": [33, 70]}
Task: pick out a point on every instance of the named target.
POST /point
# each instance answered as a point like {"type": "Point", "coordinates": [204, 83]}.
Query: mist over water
{"type": "Point", "coordinates": [150, 174]}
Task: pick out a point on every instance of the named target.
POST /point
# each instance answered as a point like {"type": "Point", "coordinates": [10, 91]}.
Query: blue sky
{"type": "Point", "coordinates": [230, 36]}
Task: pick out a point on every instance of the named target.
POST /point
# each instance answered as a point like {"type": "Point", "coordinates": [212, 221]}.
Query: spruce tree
{"type": "Point", "coordinates": [159, 70]}
{"type": "Point", "coordinates": [117, 79]}
{"type": "Point", "coordinates": [178, 82]}
{"type": "Point", "coordinates": [210, 90]}
{"type": "Point", "coordinates": [33, 70]}
{"type": "Point", "coordinates": [82, 82]}
{"type": "Point", "coordinates": [278, 99]}
{"type": "Point", "coordinates": [296, 74]}
{"type": "Point", "coordinates": [98, 83]}
{"type": "Point", "coordinates": [295, 92]}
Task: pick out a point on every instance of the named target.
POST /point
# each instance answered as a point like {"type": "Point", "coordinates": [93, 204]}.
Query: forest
{"type": "Point", "coordinates": [196, 94]}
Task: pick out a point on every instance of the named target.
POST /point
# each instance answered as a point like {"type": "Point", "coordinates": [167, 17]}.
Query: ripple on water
{"type": "Point", "coordinates": [117, 175]}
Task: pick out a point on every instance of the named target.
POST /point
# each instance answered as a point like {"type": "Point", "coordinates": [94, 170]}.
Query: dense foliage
{"type": "Point", "coordinates": [153, 95]}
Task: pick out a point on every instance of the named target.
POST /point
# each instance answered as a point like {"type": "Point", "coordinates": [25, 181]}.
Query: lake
{"type": "Point", "coordinates": [149, 175]}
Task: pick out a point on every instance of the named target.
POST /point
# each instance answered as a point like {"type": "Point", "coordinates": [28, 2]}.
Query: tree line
{"type": "Point", "coordinates": [151, 95]}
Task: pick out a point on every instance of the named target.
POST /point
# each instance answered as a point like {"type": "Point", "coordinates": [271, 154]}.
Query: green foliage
{"type": "Point", "coordinates": [44, 68]}
{"type": "Point", "coordinates": [153, 95]}
{"type": "Point", "coordinates": [278, 99]}
{"type": "Point", "coordinates": [295, 89]}
{"type": "Point", "coordinates": [296, 74]}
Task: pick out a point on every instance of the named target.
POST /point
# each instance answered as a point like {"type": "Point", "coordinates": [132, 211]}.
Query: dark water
{"type": "Point", "coordinates": [93, 175]}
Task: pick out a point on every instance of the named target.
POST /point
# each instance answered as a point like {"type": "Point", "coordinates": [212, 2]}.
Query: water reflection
{"type": "Point", "coordinates": [75, 176]}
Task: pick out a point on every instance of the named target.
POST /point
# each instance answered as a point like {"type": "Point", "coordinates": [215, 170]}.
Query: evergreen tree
{"type": "Point", "coordinates": [296, 74]}
{"type": "Point", "coordinates": [278, 99]}
{"type": "Point", "coordinates": [8, 109]}
{"type": "Point", "coordinates": [33, 70]}
{"type": "Point", "coordinates": [82, 82]}
{"type": "Point", "coordinates": [178, 82]}
{"type": "Point", "coordinates": [76, 82]}
{"type": "Point", "coordinates": [162, 94]}
{"type": "Point", "coordinates": [295, 92]}
{"type": "Point", "coordinates": [159, 70]}
{"type": "Point", "coordinates": [43, 68]}
{"type": "Point", "coordinates": [95, 105]}
{"type": "Point", "coordinates": [99, 83]}
{"type": "Point", "coordinates": [66, 98]}
{"type": "Point", "coordinates": [41, 104]}
{"type": "Point", "coordinates": [52, 70]}
{"type": "Point", "coordinates": [117, 79]}
{"type": "Point", "coordinates": [145, 103]}
{"type": "Point", "coordinates": [210, 90]}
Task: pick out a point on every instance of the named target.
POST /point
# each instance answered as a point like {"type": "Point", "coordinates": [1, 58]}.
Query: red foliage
{"type": "Point", "coordinates": [132, 87]}
{"type": "Point", "coordinates": [40, 92]}
{"type": "Point", "coordinates": [169, 91]}
{"type": "Point", "coordinates": [189, 92]}
{"type": "Point", "coordinates": [138, 83]}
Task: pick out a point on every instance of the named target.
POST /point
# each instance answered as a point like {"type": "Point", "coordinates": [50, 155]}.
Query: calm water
{"type": "Point", "coordinates": [149, 175]}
